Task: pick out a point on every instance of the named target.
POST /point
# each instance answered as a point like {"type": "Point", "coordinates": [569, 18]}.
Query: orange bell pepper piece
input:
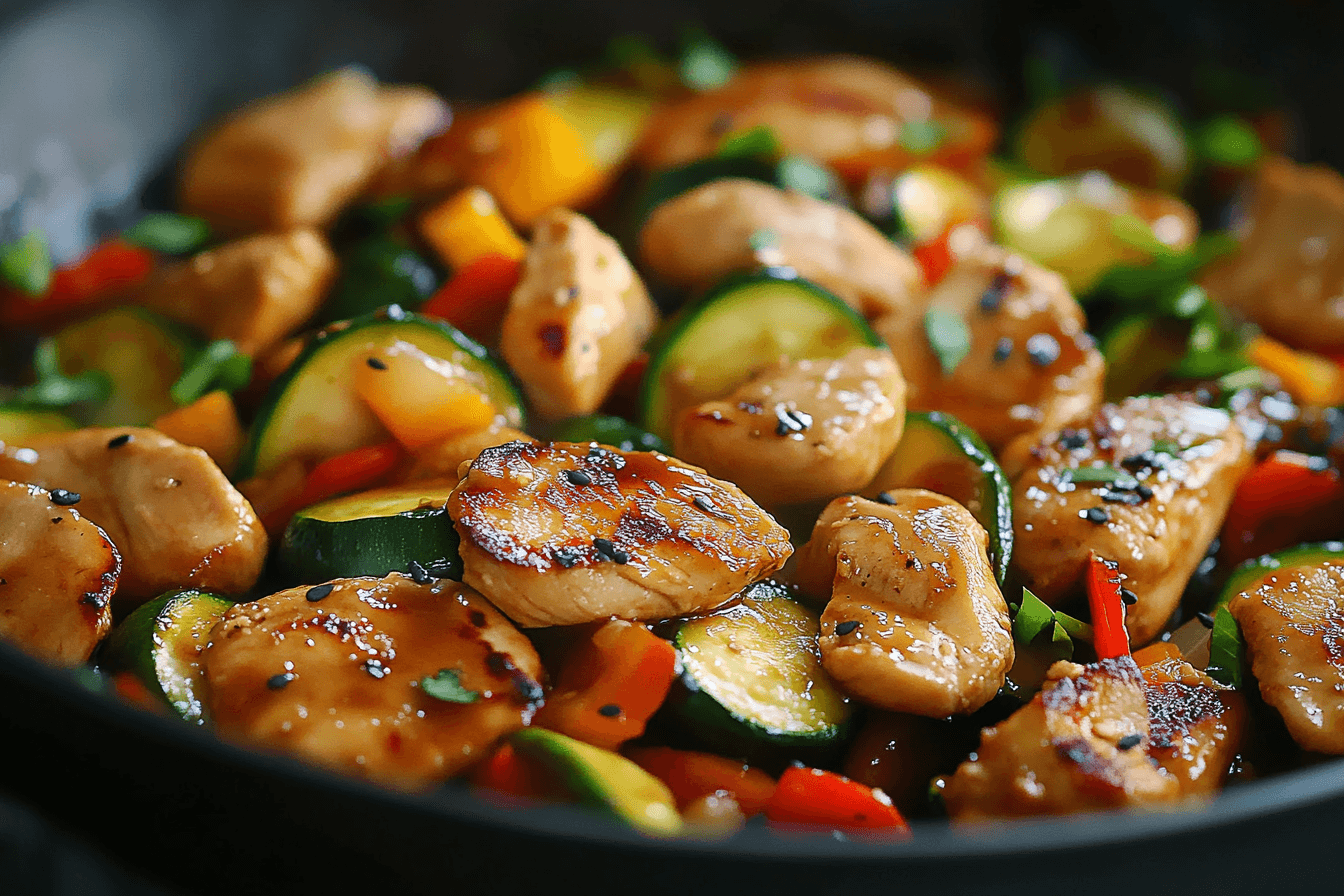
{"type": "Point", "coordinates": [468, 225]}
{"type": "Point", "coordinates": [209, 423]}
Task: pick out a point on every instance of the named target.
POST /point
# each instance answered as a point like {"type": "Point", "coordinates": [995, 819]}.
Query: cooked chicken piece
{"type": "Point", "coordinates": [255, 291]}
{"type": "Point", "coordinates": [843, 110]}
{"type": "Point", "coordinates": [58, 572]}
{"type": "Point", "coordinates": [383, 678]}
{"type": "Point", "coordinates": [577, 317]}
{"type": "Point", "coordinates": [915, 622]}
{"type": "Point", "coordinates": [1288, 275]}
{"type": "Point", "coordinates": [296, 159]}
{"type": "Point", "coordinates": [1195, 725]}
{"type": "Point", "coordinates": [695, 239]}
{"type": "Point", "coordinates": [172, 514]}
{"type": "Point", "coordinates": [1031, 366]}
{"type": "Point", "coordinates": [1177, 466]}
{"type": "Point", "coordinates": [443, 460]}
{"type": "Point", "coordinates": [558, 534]}
{"type": "Point", "coordinates": [1293, 624]}
{"type": "Point", "coordinates": [802, 430]}
{"type": "Point", "coordinates": [1080, 744]}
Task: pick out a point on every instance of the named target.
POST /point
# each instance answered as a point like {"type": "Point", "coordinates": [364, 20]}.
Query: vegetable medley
{"type": "Point", "coordinates": [703, 441]}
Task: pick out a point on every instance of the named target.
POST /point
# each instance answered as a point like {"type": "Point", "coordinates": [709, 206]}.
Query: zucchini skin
{"type": "Point", "coordinates": [1251, 571]}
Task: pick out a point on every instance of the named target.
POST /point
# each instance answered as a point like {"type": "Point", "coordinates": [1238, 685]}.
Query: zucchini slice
{"type": "Point", "coordinates": [372, 533]}
{"type": "Point", "coordinates": [940, 453]}
{"type": "Point", "coordinates": [1249, 574]}
{"type": "Point", "coordinates": [313, 412]}
{"type": "Point", "coordinates": [741, 325]}
{"type": "Point", "coordinates": [142, 353]}
{"type": "Point", "coordinates": [18, 424]}
{"type": "Point", "coordinates": [616, 432]}
{"type": "Point", "coordinates": [604, 780]}
{"type": "Point", "coordinates": [752, 684]}
{"type": "Point", "coordinates": [161, 642]}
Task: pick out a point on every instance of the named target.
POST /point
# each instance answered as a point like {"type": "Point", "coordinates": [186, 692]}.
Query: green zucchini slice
{"type": "Point", "coordinates": [161, 642]}
{"type": "Point", "coordinates": [740, 326]}
{"type": "Point", "coordinates": [1249, 574]}
{"type": "Point", "coordinates": [372, 533]}
{"type": "Point", "coordinates": [18, 424]}
{"type": "Point", "coordinates": [616, 432]}
{"type": "Point", "coordinates": [604, 780]}
{"type": "Point", "coordinates": [940, 453]}
{"type": "Point", "coordinates": [313, 411]}
{"type": "Point", "coordinates": [753, 685]}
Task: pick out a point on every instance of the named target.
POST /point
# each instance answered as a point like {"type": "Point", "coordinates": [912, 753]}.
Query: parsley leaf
{"type": "Point", "coordinates": [53, 389]}
{"type": "Point", "coordinates": [168, 233]}
{"type": "Point", "coordinates": [1102, 473]}
{"type": "Point", "coordinates": [447, 686]}
{"type": "Point", "coordinates": [26, 263]}
{"type": "Point", "coordinates": [949, 337]}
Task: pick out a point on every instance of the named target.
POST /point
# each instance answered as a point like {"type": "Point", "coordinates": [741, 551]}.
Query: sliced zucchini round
{"type": "Point", "coordinates": [373, 533]}
{"type": "Point", "coordinates": [616, 432]}
{"type": "Point", "coordinates": [161, 642]}
{"type": "Point", "coordinates": [313, 411]}
{"type": "Point", "coordinates": [743, 324]}
{"type": "Point", "coordinates": [1249, 574]}
{"type": "Point", "coordinates": [18, 424]}
{"type": "Point", "coordinates": [940, 453]}
{"type": "Point", "coordinates": [752, 684]}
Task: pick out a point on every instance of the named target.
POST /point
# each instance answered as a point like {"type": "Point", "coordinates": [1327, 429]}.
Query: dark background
{"type": "Point", "coordinates": [95, 96]}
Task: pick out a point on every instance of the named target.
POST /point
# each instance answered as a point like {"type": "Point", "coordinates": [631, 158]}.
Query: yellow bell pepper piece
{"type": "Point", "coordinates": [468, 225]}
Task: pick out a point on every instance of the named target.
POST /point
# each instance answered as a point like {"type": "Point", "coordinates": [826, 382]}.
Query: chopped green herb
{"type": "Point", "coordinates": [803, 175]}
{"type": "Point", "coordinates": [1227, 649]}
{"type": "Point", "coordinates": [763, 239]}
{"type": "Point", "coordinates": [1246, 378]}
{"type": "Point", "coordinates": [1229, 141]}
{"type": "Point", "coordinates": [949, 337]}
{"type": "Point", "coordinates": [1101, 473]}
{"type": "Point", "coordinates": [1076, 629]}
{"type": "Point", "coordinates": [1185, 302]}
{"type": "Point", "coordinates": [53, 389]}
{"type": "Point", "coordinates": [704, 63]}
{"type": "Point", "coordinates": [1135, 232]}
{"type": "Point", "coordinates": [168, 233]}
{"type": "Point", "coordinates": [447, 686]}
{"type": "Point", "coordinates": [922, 137]}
{"type": "Point", "coordinates": [25, 263]}
{"type": "Point", "coordinates": [1167, 273]}
{"type": "Point", "coordinates": [1035, 625]}
{"type": "Point", "coordinates": [218, 366]}
{"type": "Point", "coordinates": [757, 141]}
{"type": "Point", "coordinates": [1166, 446]}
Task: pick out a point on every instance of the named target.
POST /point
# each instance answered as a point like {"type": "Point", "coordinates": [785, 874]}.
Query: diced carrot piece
{"type": "Point", "coordinates": [468, 225]}
{"type": "Point", "coordinates": [1157, 652]}
{"type": "Point", "coordinates": [209, 423]}
{"type": "Point", "coordinates": [419, 398]}
{"type": "Point", "coordinates": [691, 776]}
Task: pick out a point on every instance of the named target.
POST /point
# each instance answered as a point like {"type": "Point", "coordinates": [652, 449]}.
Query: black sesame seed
{"type": "Point", "coordinates": [1096, 515]}
{"type": "Point", "coordinates": [1072, 439]}
{"type": "Point", "coordinates": [703, 503]}
{"type": "Point", "coordinates": [844, 628]}
{"type": "Point", "coordinates": [92, 598]}
{"type": "Point", "coordinates": [1129, 741]}
{"type": "Point", "coordinates": [1078, 753]}
{"type": "Point", "coordinates": [119, 441]}
{"type": "Point", "coordinates": [499, 663]}
{"type": "Point", "coordinates": [791, 421]}
{"type": "Point", "coordinates": [419, 574]}
{"type": "Point", "coordinates": [1128, 598]}
{"type": "Point", "coordinates": [276, 682]}
{"type": "Point", "coordinates": [63, 498]}
{"type": "Point", "coordinates": [992, 298]}
{"type": "Point", "coordinates": [376, 668]}
{"type": "Point", "coordinates": [1115, 495]}
{"type": "Point", "coordinates": [57, 519]}
{"type": "Point", "coordinates": [610, 710]}
{"type": "Point", "coordinates": [377, 363]}
{"type": "Point", "coordinates": [608, 551]}
{"type": "Point", "coordinates": [566, 558]}
{"type": "Point", "coordinates": [1003, 349]}
{"type": "Point", "coordinates": [1143, 491]}
{"type": "Point", "coordinates": [885, 498]}
{"type": "Point", "coordinates": [1043, 349]}
{"type": "Point", "coordinates": [529, 690]}
{"type": "Point", "coordinates": [317, 592]}
{"type": "Point", "coordinates": [1205, 619]}
{"type": "Point", "coordinates": [578, 477]}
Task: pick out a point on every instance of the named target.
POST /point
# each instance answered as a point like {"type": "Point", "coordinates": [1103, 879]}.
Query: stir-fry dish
{"type": "Point", "coordinates": [712, 443]}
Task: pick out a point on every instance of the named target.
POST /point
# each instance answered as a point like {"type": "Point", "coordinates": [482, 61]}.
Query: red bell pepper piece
{"type": "Point", "coordinates": [352, 471]}
{"type": "Point", "coordinates": [934, 257]}
{"type": "Point", "coordinates": [813, 798]}
{"type": "Point", "coordinates": [691, 775]}
{"type": "Point", "coordinates": [1285, 486]}
{"type": "Point", "coordinates": [110, 267]}
{"type": "Point", "coordinates": [1109, 637]}
{"type": "Point", "coordinates": [508, 773]}
{"type": "Point", "coordinates": [475, 298]}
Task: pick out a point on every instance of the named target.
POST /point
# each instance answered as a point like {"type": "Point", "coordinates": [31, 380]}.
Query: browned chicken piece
{"type": "Point", "coordinates": [1031, 366]}
{"type": "Point", "coordinates": [58, 572]}
{"type": "Point", "coordinates": [1080, 744]}
{"type": "Point", "coordinates": [1177, 465]}
{"type": "Point", "coordinates": [802, 430]}
{"type": "Point", "coordinates": [296, 159]}
{"type": "Point", "coordinates": [560, 533]}
{"type": "Point", "coordinates": [1293, 624]}
{"type": "Point", "coordinates": [916, 622]}
{"type": "Point", "coordinates": [695, 239]}
{"type": "Point", "coordinates": [837, 109]}
{"type": "Point", "coordinates": [255, 291]}
{"type": "Point", "coordinates": [577, 317]}
{"type": "Point", "coordinates": [1288, 275]}
{"type": "Point", "coordinates": [403, 683]}
{"type": "Point", "coordinates": [444, 460]}
{"type": "Point", "coordinates": [1195, 725]}
{"type": "Point", "coordinates": [172, 514]}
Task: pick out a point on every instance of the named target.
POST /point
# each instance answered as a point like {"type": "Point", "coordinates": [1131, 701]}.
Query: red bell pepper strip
{"type": "Point", "coordinates": [352, 471]}
{"type": "Point", "coordinates": [813, 798]}
{"type": "Point", "coordinates": [934, 257]}
{"type": "Point", "coordinates": [112, 266]}
{"type": "Point", "coordinates": [691, 776]}
{"type": "Point", "coordinates": [1284, 486]}
{"type": "Point", "coordinates": [475, 298]}
{"type": "Point", "coordinates": [1109, 637]}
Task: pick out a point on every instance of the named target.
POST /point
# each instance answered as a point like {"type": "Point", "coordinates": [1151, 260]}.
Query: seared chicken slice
{"type": "Point", "coordinates": [1195, 725]}
{"type": "Point", "coordinates": [577, 317]}
{"type": "Point", "coordinates": [296, 159]}
{"type": "Point", "coordinates": [1288, 274]}
{"type": "Point", "coordinates": [255, 291]}
{"type": "Point", "coordinates": [915, 622]}
{"type": "Point", "coordinates": [802, 430]}
{"type": "Point", "coordinates": [443, 460]}
{"type": "Point", "coordinates": [383, 678]}
{"type": "Point", "coordinates": [1293, 623]}
{"type": "Point", "coordinates": [1031, 366]}
{"type": "Point", "coordinates": [1080, 744]}
{"type": "Point", "coordinates": [1177, 465]}
{"type": "Point", "coordinates": [58, 572]}
{"type": "Point", "coordinates": [174, 517]}
{"type": "Point", "coordinates": [695, 239]}
{"type": "Point", "coordinates": [558, 534]}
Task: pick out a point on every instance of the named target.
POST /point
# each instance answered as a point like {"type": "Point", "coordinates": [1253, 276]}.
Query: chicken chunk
{"type": "Point", "coordinates": [1031, 366]}
{"type": "Point", "coordinates": [1288, 274]}
{"type": "Point", "coordinates": [1080, 744]}
{"type": "Point", "coordinates": [444, 460]}
{"type": "Point", "coordinates": [172, 514]}
{"type": "Point", "coordinates": [296, 159]}
{"type": "Point", "coordinates": [58, 572]}
{"type": "Point", "coordinates": [577, 317]}
{"type": "Point", "coordinates": [1176, 466]}
{"type": "Point", "coordinates": [916, 622]}
{"type": "Point", "coordinates": [1195, 725]}
{"type": "Point", "coordinates": [558, 534]}
{"type": "Point", "coordinates": [694, 239]}
{"type": "Point", "coordinates": [403, 683]}
{"type": "Point", "coordinates": [801, 431]}
{"type": "Point", "coordinates": [255, 291]}
{"type": "Point", "coordinates": [1293, 624]}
